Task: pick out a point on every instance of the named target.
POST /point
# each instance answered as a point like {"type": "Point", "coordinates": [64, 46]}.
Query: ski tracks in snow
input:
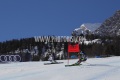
{"type": "Point", "coordinates": [111, 73]}
{"type": "Point", "coordinates": [93, 69]}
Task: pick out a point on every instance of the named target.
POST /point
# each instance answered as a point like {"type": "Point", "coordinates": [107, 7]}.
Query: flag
{"type": "Point", "coordinates": [73, 48]}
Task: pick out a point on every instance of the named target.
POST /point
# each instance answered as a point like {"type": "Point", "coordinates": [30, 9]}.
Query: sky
{"type": "Point", "coordinates": [29, 18]}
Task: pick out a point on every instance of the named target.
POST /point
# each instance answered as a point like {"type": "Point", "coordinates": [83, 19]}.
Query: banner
{"type": "Point", "coordinates": [73, 48]}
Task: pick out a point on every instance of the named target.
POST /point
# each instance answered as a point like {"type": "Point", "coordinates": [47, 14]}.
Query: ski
{"type": "Point", "coordinates": [53, 63]}
{"type": "Point", "coordinates": [73, 65]}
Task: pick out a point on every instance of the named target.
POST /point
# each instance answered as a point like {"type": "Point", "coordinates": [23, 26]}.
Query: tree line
{"type": "Point", "coordinates": [107, 47]}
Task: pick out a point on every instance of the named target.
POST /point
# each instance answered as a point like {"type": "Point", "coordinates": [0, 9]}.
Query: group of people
{"type": "Point", "coordinates": [81, 58]}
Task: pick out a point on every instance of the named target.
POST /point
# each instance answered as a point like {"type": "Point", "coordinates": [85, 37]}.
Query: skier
{"type": "Point", "coordinates": [51, 57]}
{"type": "Point", "coordinates": [82, 57]}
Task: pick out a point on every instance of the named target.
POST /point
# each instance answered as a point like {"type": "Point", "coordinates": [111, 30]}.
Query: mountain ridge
{"type": "Point", "coordinates": [111, 26]}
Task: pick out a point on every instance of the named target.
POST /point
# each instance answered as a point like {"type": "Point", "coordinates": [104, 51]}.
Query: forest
{"type": "Point", "coordinates": [109, 46]}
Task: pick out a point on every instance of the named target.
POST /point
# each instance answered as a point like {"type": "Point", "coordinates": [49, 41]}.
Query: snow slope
{"type": "Point", "coordinates": [92, 69]}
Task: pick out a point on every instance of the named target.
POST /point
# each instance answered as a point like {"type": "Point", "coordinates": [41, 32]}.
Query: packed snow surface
{"type": "Point", "coordinates": [92, 69]}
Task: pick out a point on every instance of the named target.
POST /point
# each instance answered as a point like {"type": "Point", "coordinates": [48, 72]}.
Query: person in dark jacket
{"type": "Point", "coordinates": [82, 57]}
